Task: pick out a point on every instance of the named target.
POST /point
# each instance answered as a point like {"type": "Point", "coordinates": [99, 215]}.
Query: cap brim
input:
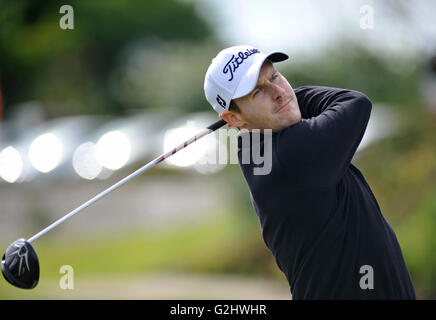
{"type": "Point", "coordinates": [248, 82]}
{"type": "Point", "coordinates": [277, 56]}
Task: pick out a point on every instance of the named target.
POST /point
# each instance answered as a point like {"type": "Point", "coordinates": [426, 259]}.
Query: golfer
{"type": "Point", "coordinates": [318, 215]}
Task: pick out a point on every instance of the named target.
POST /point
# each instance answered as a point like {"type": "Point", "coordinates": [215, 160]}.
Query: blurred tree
{"type": "Point", "coordinates": [349, 64]}
{"type": "Point", "coordinates": [401, 171]}
{"type": "Point", "coordinates": [40, 61]}
{"type": "Point", "coordinates": [163, 75]}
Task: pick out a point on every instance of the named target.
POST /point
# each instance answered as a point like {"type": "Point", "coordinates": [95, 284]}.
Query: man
{"type": "Point", "coordinates": [318, 215]}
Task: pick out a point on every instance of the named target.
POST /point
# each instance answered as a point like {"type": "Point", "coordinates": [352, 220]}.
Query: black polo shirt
{"type": "Point", "coordinates": [317, 213]}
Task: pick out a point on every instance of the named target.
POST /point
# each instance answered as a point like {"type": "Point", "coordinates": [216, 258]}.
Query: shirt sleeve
{"type": "Point", "coordinates": [318, 150]}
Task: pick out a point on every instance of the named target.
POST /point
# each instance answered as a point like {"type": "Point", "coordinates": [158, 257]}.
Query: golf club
{"type": "Point", "coordinates": [20, 265]}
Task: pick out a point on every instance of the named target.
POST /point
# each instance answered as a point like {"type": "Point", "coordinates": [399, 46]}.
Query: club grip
{"type": "Point", "coordinates": [217, 125]}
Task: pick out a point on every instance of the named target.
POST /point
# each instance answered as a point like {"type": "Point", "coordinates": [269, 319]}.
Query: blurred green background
{"type": "Point", "coordinates": [177, 232]}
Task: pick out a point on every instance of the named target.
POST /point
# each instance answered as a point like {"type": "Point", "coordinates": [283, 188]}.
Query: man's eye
{"type": "Point", "coordinates": [256, 92]}
{"type": "Point", "coordinates": [275, 76]}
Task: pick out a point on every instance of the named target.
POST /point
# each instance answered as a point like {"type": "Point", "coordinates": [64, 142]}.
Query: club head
{"type": "Point", "coordinates": [20, 266]}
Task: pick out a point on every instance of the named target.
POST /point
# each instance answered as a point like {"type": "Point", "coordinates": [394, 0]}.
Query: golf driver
{"type": "Point", "coordinates": [20, 265]}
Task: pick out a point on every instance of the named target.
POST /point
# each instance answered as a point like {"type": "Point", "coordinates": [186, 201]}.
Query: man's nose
{"type": "Point", "coordinates": [277, 92]}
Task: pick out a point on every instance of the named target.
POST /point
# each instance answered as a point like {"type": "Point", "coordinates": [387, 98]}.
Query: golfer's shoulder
{"type": "Point", "coordinates": [304, 91]}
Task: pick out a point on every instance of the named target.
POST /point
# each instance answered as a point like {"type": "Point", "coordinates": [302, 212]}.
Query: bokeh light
{"type": "Point", "coordinates": [85, 161]}
{"type": "Point", "coordinates": [215, 155]}
{"type": "Point", "coordinates": [188, 156]}
{"type": "Point", "coordinates": [11, 164]}
{"type": "Point", "coordinates": [45, 152]}
{"type": "Point", "coordinates": [113, 150]}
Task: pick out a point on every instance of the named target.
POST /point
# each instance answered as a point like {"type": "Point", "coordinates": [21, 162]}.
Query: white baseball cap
{"type": "Point", "coordinates": [233, 74]}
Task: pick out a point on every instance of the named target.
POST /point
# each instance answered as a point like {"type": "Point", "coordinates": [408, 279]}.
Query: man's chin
{"type": "Point", "coordinates": [295, 115]}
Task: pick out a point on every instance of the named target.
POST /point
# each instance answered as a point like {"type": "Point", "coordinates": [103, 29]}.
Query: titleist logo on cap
{"type": "Point", "coordinates": [235, 61]}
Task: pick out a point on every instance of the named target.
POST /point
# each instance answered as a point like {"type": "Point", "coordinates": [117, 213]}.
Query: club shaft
{"type": "Point", "coordinates": [152, 163]}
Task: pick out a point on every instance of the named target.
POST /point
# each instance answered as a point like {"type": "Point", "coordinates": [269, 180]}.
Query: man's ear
{"type": "Point", "coordinates": [233, 119]}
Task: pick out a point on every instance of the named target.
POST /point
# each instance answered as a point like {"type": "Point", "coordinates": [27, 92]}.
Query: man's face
{"type": "Point", "coordinates": [272, 104]}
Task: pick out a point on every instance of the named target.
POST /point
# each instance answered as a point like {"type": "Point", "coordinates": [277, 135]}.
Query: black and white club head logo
{"type": "Point", "coordinates": [220, 101]}
{"type": "Point", "coordinates": [20, 256]}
